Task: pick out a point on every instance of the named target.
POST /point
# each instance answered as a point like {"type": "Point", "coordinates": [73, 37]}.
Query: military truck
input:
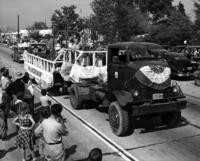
{"type": "Point", "coordinates": [138, 85]}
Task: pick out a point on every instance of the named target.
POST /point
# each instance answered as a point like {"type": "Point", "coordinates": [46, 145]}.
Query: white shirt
{"type": "Point", "coordinates": [51, 129]}
{"type": "Point", "coordinates": [4, 82]}
{"type": "Point", "coordinates": [45, 100]}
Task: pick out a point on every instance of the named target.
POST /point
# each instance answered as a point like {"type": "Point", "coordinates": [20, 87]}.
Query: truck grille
{"type": "Point", "coordinates": [147, 93]}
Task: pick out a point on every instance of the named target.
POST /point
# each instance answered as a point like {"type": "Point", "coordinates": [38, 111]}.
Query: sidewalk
{"type": "Point", "coordinates": [189, 88]}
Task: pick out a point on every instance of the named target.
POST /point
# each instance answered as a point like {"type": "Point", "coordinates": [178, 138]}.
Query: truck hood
{"type": "Point", "coordinates": [153, 74]}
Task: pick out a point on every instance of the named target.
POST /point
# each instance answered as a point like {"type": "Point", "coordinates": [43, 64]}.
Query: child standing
{"type": "Point", "coordinates": [45, 102]}
{"type": "Point", "coordinates": [24, 139]}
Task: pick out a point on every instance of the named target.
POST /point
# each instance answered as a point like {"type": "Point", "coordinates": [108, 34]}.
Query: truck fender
{"type": "Point", "coordinates": [123, 97]}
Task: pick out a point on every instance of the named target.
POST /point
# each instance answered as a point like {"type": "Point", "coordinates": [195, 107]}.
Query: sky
{"type": "Point", "coordinates": [42, 10]}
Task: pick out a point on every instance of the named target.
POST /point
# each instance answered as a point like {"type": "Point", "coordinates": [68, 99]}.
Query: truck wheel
{"type": "Point", "coordinates": [119, 119]}
{"type": "Point", "coordinates": [171, 119]}
{"type": "Point", "coordinates": [75, 100]}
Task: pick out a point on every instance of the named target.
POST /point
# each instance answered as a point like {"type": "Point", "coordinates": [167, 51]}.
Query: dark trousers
{"type": "Point", "coordinates": [4, 117]}
{"type": "Point", "coordinates": [6, 99]}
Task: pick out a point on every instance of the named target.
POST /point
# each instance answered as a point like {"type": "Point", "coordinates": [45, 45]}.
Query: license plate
{"type": "Point", "coordinates": [189, 68]}
{"type": "Point", "coordinates": [157, 96]}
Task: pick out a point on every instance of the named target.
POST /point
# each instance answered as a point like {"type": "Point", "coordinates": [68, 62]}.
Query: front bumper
{"type": "Point", "coordinates": [153, 108]}
{"type": "Point", "coordinates": [186, 74]}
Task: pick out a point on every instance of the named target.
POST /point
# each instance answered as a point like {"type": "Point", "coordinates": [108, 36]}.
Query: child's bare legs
{"type": "Point", "coordinates": [23, 153]}
{"type": "Point", "coordinates": [31, 150]}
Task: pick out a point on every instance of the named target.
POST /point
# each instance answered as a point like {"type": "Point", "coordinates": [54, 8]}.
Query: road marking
{"type": "Point", "coordinates": [113, 145]}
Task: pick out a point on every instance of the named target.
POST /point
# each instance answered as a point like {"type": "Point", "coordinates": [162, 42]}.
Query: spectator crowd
{"type": "Point", "coordinates": [43, 126]}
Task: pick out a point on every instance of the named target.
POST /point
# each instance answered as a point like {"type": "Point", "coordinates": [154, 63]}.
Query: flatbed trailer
{"type": "Point", "coordinates": [50, 73]}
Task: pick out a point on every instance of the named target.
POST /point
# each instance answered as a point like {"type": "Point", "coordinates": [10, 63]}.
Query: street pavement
{"type": "Point", "coordinates": [178, 144]}
{"type": "Point", "coordinates": [8, 151]}
{"type": "Point", "coordinates": [189, 88]}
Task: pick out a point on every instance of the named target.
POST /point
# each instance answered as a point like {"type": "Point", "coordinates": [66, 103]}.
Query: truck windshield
{"type": "Point", "coordinates": [143, 53]}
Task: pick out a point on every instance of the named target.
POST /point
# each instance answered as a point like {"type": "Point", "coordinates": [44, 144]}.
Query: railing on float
{"type": "Point", "coordinates": [67, 55]}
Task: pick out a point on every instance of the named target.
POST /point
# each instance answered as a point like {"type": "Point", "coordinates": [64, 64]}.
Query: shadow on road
{"type": "Point", "coordinates": [4, 152]}
{"type": "Point", "coordinates": [10, 136]}
{"type": "Point", "coordinates": [70, 151]}
{"type": "Point", "coordinates": [157, 125]}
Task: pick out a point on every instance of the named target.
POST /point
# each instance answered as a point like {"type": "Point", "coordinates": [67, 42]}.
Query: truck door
{"type": "Point", "coordinates": [116, 70]}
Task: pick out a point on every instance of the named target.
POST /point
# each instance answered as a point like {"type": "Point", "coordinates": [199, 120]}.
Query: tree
{"type": "Point", "coordinates": [181, 8]}
{"type": "Point", "coordinates": [157, 8]}
{"type": "Point", "coordinates": [172, 30]}
{"type": "Point", "coordinates": [67, 20]}
{"type": "Point", "coordinates": [33, 31]}
{"type": "Point", "coordinates": [35, 35]}
{"type": "Point", "coordinates": [117, 20]}
{"type": "Point", "coordinates": [196, 34]}
{"type": "Point", "coordinates": [39, 26]}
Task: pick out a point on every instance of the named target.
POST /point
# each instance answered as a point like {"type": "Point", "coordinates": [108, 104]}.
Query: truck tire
{"type": "Point", "coordinates": [75, 100]}
{"type": "Point", "coordinates": [171, 119]}
{"type": "Point", "coordinates": [119, 119]}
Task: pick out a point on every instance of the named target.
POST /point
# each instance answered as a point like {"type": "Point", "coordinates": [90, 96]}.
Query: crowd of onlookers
{"type": "Point", "coordinates": [43, 126]}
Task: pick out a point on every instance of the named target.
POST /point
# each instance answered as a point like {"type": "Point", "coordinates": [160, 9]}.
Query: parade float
{"type": "Point", "coordinates": [60, 71]}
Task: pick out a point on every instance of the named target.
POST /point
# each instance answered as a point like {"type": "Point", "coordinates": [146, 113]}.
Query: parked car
{"type": "Point", "coordinates": [192, 52]}
{"type": "Point", "coordinates": [180, 65]}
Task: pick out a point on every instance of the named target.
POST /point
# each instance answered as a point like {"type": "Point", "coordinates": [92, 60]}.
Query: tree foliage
{"type": "Point", "coordinates": [35, 35]}
{"type": "Point", "coordinates": [33, 31]}
{"type": "Point", "coordinates": [172, 30]}
{"type": "Point", "coordinates": [39, 26]}
{"type": "Point", "coordinates": [181, 8]}
{"type": "Point", "coordinates": [157, 8]}
{"type": "Point", "coordinates": [66, 19]}
{"type": "Point", "coordinates": [117, 20]}
{"type": "Point", "coordinates": [196, 35]}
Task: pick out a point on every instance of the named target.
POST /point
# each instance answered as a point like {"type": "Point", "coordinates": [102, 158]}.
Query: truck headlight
{"type": "Point", "coordinates": [175, 89]}
{"type": "Point", "coordinates": [135, 93]}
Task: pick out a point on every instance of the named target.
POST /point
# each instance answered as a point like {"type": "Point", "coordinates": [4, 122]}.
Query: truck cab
{"type": "Point", "coordinates": [138, 85]}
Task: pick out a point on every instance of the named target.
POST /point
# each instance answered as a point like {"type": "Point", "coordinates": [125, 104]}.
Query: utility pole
{"type": "Point", "coordinates": [45, 21]}
{"type": "Point", "coordinates": [18, 35]}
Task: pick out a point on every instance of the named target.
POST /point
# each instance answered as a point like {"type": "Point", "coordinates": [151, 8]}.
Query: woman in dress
{"type": "Point", "coordinates": [24, 139]}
